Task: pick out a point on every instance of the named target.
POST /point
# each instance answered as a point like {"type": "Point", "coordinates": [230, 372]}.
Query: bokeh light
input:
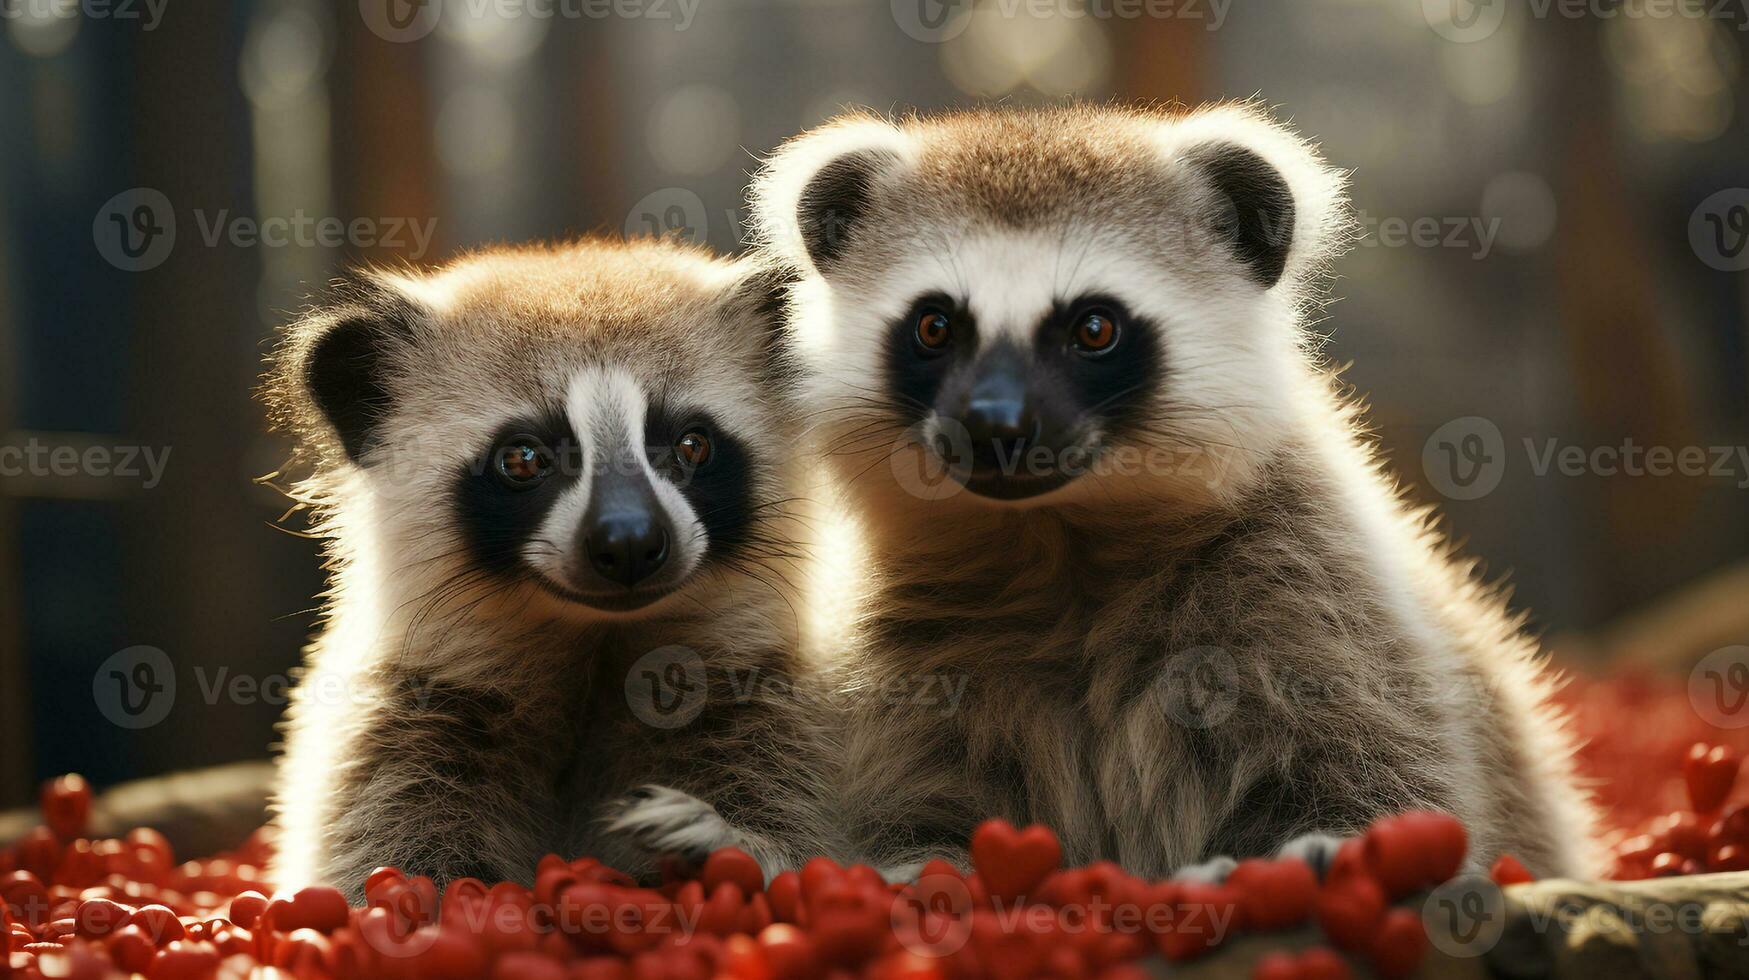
{"type": "Point", "coordinates": [1010, 48]}
{"type": "Point", "coordinates": [694, 130]}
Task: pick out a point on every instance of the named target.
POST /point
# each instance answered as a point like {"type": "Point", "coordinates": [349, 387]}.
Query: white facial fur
{"type": "Point", "coordinates": [606, 409]}
{"type": "Point", "coordinates": [595, 334]}
{"type": "Point", "coordinates": [1228, 354]}
{"type": "Point", "coordinates": [1231, 351]}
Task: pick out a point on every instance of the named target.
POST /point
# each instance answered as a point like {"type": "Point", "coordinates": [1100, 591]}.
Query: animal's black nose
{"type": "Point", "coordinates": [627, 547]}
{"type": "Point", "coordinates": [999, 422]}
{"type": "Point", "coordinates": [999, 418]}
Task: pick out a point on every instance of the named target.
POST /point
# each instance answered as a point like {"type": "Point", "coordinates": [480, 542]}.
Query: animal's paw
{"type": "Point", "coordinates": [903, 872]}
{"type": "Point", "coordinates": [667, 821]}
{"type": "Point", "coordinates": [1317, 849]}
{"type": "Point", "coordinates": [1214, 871]}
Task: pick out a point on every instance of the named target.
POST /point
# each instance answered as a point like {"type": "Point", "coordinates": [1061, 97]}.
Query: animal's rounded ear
{"type": "Point", "coordinates": [1255, 213]}
{"type": "Point", "coordinates": [759, 287]}
{"type": "Point", "coordinates": [332, 372]}
{"type": "Point", "coordinates": [759, 295]}
{"type": "Point", "coordinates": [1281, 209]}
{"type": "Point", "coordinates": [811, 195]}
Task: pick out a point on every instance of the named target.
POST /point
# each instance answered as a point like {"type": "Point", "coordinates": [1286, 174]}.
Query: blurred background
{"type": "Point", "coordinates": [1552, 290]}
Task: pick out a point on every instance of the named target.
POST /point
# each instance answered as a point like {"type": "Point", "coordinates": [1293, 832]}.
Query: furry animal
{"type": "Point", "coordinates": [556, 489]}
{"type": "Point", "coordinates": [1061, 361]}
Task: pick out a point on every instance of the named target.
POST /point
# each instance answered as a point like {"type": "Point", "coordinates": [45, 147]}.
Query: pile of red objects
{"type": "Point", "coordinates": [1704, 836]}
{"type": "Point", "coordinates": [90, 909]}
{"type": "Point", "coordinates": [1664, 775]}
{"type": "Point", "coordinates": [1635, 732]}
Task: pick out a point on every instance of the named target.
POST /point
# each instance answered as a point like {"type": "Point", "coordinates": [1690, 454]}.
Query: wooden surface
{"type": "Point", "coordinates": [201, 811]}
{"type": "Point", "coordinates": [1670, 929]}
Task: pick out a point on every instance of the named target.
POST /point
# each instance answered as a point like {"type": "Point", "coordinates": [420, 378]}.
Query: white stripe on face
{"type": "Point", "coordinates": [606, 408]}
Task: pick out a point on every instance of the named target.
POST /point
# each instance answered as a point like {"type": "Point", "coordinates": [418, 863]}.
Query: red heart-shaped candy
{"type": "Point", "coordinates": [1012, 862]}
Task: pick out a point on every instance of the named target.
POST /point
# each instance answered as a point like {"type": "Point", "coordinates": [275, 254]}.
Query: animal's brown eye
{"type": "Point", "coordinates": [1095, 332]}
{"type": "Point", "coordinates": [522, 463]}
{"type": "Point", "coordinates": [693, 449]}
{"type": "Point", "coordinates": [933, 330]}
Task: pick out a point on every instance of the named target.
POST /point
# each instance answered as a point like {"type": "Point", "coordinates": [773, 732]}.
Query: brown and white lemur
{"type": "Point", "coordinates": [1196, 617]}
{"type": "Point", "coordinates": [555, 485]}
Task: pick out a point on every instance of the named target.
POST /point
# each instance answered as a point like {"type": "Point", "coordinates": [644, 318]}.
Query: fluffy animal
{"type": "Point", "coordinates": [556, 486]}
{"type": "Point", "coordinates": [1061, 361]}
